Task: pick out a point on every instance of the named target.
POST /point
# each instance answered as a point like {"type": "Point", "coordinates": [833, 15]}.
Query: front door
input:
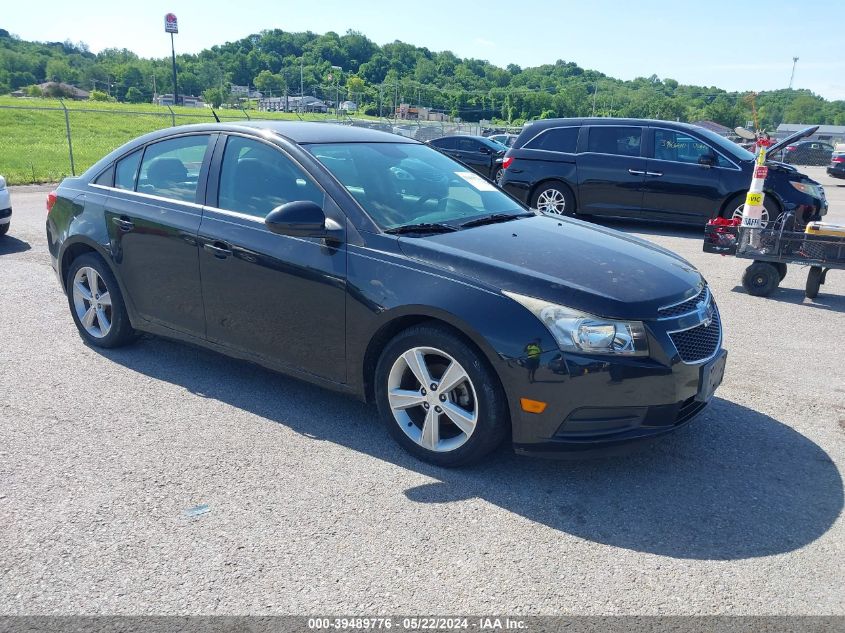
{"type": "Point", "coordinates": [611, 171]}
{"type": "Point", "coordinates": [683, 180]}
{"type": "Point", "coordinates": [153, 216]}
{"type": "Point", "coordinates": [475, 155]}
{"type": "Point", "coordinates": [277, 297]}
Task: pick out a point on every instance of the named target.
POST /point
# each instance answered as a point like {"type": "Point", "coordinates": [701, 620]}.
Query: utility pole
{"type": "Point", "coordinates": [301, 84]}
{"type": "Point", "coordinates": [792, 76]}
{"type": "Point", "coordinates": [338, 70]}
{"type": "Point", "coordinates": [595, 92]}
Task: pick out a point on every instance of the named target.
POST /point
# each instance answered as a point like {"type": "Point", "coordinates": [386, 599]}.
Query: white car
{"type": "Point", "coordinates": [5, 207]}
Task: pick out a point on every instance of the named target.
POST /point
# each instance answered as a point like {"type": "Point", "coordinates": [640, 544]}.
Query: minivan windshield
{"type": "Point", "coordinates": [402, 184]}
{"type": "Point", "coordinates": [731, 148]}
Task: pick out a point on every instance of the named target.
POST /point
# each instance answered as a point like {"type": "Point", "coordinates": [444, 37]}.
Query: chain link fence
{"type": "Point", "coordinates": [48, 141]}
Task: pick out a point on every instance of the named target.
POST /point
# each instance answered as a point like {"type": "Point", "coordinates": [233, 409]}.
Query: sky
{"type": "Point", "coordinates": [731, 45]}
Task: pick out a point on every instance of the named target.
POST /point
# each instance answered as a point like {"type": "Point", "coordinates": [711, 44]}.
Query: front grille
{"type": "Point", "coordinates": [700, 342]}
{"type": "Point", "coordinates": [687, 306]}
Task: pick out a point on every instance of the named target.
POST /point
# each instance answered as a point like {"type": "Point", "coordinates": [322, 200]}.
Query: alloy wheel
{"type": "Point", "coordinates": [499, 175]}
{"type": "Point", "coordinates": [551, 201]}
{"type": "Point", "coordinates": [764, 217]}
{"type": "Point", "coordinates": [432, 399]}
{"type": "Point", "coordinates": [92, 302]}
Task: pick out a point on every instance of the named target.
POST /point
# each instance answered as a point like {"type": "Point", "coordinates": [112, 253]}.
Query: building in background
{"type": "Point", "coordinates": [292, 104]}
{"type": "Point", "coordinates": [718, 128]}
{"type": "Point", "coordinates": [189, 101]}
{"type": "Point", "coordinates": [826, 133]}
{"type": "Point", "coordinates": [244, 92]}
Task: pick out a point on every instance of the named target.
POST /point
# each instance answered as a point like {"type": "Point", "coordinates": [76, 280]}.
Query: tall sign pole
{"type": "Point", "coordinates": [172, 26]}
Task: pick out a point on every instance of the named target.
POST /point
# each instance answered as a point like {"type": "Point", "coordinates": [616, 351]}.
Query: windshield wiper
{"type": "Point", "coordinates": [494, 218]}
{"type": "Point", "coordinates": [422, 227]}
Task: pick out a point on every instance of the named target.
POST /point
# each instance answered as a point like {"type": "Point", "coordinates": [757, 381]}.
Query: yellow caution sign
{"type": "Point", "coordinates": [754, 199]}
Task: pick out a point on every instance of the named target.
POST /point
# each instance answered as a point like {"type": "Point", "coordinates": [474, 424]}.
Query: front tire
{"type": "Point", "coordinates": [4, 228]}
{"type": "Point", "coordinates": [96, 303]}
{"type": "Point", "coordinates": [439, 398]}
{"type": "Point", "coordinates": [733, 209]}
{"type": "Point", "coordinates": [553, 198]}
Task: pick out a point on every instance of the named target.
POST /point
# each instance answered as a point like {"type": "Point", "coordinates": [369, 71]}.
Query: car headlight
{"type": "Point", "coordinates": [810, 189]}
{"type": "Point", "coordinates": [577, 331]}
{"type": "Point", "coordinates": [2, 182]}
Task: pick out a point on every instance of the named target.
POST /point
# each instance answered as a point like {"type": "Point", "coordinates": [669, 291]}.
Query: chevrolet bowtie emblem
{"type": "Point", "coordinates": [705, 313]}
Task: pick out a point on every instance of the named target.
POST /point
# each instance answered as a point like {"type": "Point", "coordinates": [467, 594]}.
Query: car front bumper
{"type": "Point", "coordinates": [6, 215]}
{"type": "Point", "coordinates": [838, 171]}
{"type": "Point", "coordinates": [596, 403]}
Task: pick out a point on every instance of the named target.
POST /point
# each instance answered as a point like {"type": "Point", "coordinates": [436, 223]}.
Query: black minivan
{"type": "Point", "coordinates": [656, 170]}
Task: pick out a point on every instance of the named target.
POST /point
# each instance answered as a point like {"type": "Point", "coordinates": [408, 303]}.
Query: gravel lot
{"type": "Point", "coordinates": [313, 509]}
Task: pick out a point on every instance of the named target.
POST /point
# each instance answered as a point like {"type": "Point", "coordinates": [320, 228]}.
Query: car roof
{"type": "Point", "coordinates": [300, 132]}
{"type": "Point", "coordinates": [542, 124]}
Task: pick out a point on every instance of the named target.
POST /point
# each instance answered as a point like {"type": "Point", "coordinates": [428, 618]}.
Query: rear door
{"type": "Point", "coordinates": [153, 214]}
{"type": "Point", "coordinates": [684, 177]}
{"type": "Point", "coordinates": [277, 297]}
{"type": "Point", "coordinates": [611, 171]}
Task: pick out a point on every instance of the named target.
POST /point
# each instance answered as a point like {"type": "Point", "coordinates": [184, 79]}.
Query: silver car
{"type": "Point", "coordinates": [5, 207]}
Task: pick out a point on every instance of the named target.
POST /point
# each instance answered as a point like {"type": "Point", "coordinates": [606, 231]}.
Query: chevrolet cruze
{"type": "Point", "coordinates": [374, 265]}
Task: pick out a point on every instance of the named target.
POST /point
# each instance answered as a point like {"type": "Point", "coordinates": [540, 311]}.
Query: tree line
{"type": "Point", "coordinates": [378, 78]}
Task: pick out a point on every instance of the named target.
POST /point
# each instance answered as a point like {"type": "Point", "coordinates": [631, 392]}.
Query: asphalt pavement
{"type": "Point", "coordinates": [108, 457]}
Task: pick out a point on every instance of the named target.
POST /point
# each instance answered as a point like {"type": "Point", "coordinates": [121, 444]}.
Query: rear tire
{"type": "Point", "coordinates": [761, 279]}
{"type": "Point", "coordinates": [446, 425]}
{"type": "Point", "coordinates": [4, 228]}
{"type": "Point", "coordinates": [96, 303]}
{"type": "Point", "coordinates": [554, 198]}
{"type": "Point", "coordinates": [814, 282]}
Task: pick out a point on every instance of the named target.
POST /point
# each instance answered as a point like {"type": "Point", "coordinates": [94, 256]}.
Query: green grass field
{"type": "Point", "coordinates": [33, 138]}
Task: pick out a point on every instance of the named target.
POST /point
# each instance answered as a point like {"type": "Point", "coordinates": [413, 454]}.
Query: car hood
{"type": "Point", "coordinates": [570, 262]}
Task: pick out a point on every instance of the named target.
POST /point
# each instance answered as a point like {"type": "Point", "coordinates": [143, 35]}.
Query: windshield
{"type": "Point", "coordinates": [400, 184]}
{"type": "Point", "coordinates": [731, 148]}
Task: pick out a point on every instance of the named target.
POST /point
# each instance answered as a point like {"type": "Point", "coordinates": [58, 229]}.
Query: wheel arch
{"type": "Point", "coordinates": [555, 180]}
{"type": "Point", "coordinates": [411, 317]}
{"type": "Point", "coordinates": [79, 245]}
{"type": "Point", "coordinates": [738, 194]}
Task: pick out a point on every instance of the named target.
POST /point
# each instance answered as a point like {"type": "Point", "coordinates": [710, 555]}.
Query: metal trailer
{"type": "Point", "coordinates": [817, 245]}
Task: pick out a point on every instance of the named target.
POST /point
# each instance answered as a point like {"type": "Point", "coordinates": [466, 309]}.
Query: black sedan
{"type": "Point", "coordinates": [476, 152]}
{"type": "Point", "coordinates": [807, 153]}
{"type": "Point", "coordinates": [376, 266]}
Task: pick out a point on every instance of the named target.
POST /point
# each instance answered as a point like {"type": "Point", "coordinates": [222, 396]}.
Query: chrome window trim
{"type": "Point", "coordinates": [680, 162]}
{"type": "Point", "coordinates": [147, 195]}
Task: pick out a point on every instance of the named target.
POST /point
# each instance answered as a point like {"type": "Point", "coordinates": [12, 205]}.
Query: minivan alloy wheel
{"type": "Point", "coordinates": [551, 201]}
{"type": "Point", "coordinates": [432, 399]}
{"type": "Point", "coordinates": [92, 302]}
{"type": "Point", "coordinates": [764, 216]}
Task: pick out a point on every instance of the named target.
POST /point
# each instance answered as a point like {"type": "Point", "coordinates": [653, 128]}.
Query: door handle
{"type": "Point", "coordinates": [654, 173]}
{"type": "Point", "coordinates": [219, 249]}
{"type": "Point", "coordinates": [635, 172]}
{"type": "Point", "coordinates": [124, 223]}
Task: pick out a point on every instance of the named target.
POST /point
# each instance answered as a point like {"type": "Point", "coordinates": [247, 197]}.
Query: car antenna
{"type": "Point", "coordinates": [216, 118]}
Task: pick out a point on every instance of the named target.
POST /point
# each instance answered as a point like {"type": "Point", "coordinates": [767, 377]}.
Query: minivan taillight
{"type": "Point", "coordinates": [838, 159]}
{"type": "Point", "coordinates": [51, 200]}
{"type": "Point", "coordinates": [507, 162]}
{"type": "Point", "coordinates": [791, 148]}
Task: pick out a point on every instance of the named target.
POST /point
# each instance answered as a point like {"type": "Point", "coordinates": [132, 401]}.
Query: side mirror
{"type": "Point", "coordinates": [707, 160]}
{"type": "Point", "coordinates": [302, 218]}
